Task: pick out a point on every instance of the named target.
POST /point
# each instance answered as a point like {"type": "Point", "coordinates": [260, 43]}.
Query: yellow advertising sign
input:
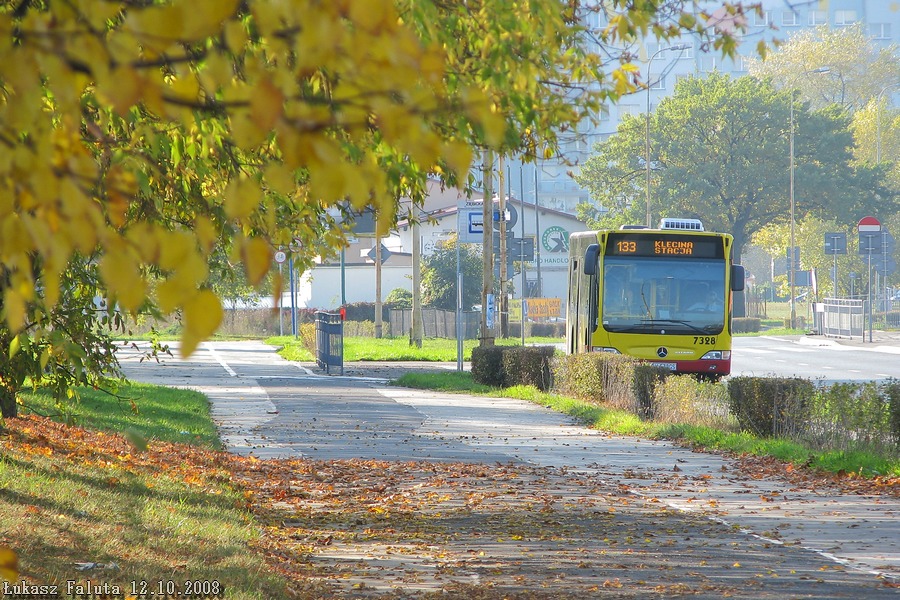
{"type": "Point", "coordinates": [537, 308]}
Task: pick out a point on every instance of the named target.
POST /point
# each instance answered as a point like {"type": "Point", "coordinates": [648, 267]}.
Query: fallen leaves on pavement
{"type": "Point", "coordinates": [365, 528]}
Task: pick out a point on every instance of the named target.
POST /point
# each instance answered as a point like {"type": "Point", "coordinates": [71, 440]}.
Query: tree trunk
{"type": "Point", "coordinates": [8, 407]}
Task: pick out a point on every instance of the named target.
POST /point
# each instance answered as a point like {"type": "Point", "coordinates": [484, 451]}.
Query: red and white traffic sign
{"type": "Point", "coordinates": [869, 225]}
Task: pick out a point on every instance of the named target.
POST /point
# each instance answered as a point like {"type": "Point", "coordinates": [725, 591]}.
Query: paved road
{"type": "Point", "coordinates": [818, 358]}
{"type": "Point", "coordinates": [270, 408]}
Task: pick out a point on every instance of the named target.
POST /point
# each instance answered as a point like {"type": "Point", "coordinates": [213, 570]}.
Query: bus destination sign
{"type": "Point", "coordinates": [664, 244]}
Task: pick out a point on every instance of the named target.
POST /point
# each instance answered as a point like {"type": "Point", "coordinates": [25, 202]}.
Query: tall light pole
{"type": "Point", "coordinates": [878, 121]}
{"type": "Point", "coordinates": [792, 267]}
{"type": "Point", "coordinates": [678, 47]}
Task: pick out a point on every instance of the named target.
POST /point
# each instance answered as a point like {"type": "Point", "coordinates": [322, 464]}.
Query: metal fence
{"type": "Point", "coordinates": [436, 323]}
{"type": "Point", "coordinates": [329, 341]}
{"type": "Point", "coordinates": [840, 317]}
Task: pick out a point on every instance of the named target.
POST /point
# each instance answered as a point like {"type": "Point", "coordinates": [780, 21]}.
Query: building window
{"type": "Point", "coordinates": [628, 109]}
{"type": "Point", "coordinates": [844, 17]}
{"type": "Point", "coordinates": [790, 18]}
{"type": "Point", "coordinates": [603, 113]}
{"type": "Point", "coordinates": [659, 83]}
{"type": "Point", "coordinates": [742, 63]}
{"type": "Point", "coordinates": [818, 17]}
{"type": "Point", "coordinates": [670, 54]}
{"type": "Point", "coordinates": [708, 63]}
{"type": "Point", "coordinates": [686, 53]}
{"type": "Point", "coordinates": [762, 20]}
{"type": "Point", "coordinates": [880, 31]}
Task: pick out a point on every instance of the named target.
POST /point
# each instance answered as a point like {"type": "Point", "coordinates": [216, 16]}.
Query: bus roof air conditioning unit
{"type": "Point", "coordinates": [683, 224]}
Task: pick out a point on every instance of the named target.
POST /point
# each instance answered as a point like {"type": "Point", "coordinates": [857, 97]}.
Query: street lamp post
{"type": "Point", "coordinates": [678, 47]}
{"type": "Point", "coordinates": [878, 121]}
{"type": "Point", "coordinates": [791, 257]}
{"type": "Point", "coordinates": [791, 266]}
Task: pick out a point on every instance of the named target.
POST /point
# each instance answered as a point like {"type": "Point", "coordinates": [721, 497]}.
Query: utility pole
{"type": "Point", "coordinates": [416, 335]}
{"type": "Point", "coordinates": [487, 247]}
{"type": "Point", "coordinates": [504, 300]}
{"type": "Point", "coordinates": [378, 321]}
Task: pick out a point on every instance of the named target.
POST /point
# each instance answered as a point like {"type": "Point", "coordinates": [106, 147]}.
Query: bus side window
{"type": "Point", "coordinates": [737, 278]}
{"type": "Point", "coordinates": [591, 255]}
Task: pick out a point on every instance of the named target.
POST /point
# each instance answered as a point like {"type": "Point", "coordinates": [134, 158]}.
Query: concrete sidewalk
{"type": "Point", "coordinates": [269, 407]}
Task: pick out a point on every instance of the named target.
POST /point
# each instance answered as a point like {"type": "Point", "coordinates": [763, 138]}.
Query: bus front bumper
{"type": "Point", "coordinates": [703, 366]}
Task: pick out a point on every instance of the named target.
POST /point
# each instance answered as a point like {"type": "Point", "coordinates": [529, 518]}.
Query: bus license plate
{"type": "Point", "coordinates": [664, 365]}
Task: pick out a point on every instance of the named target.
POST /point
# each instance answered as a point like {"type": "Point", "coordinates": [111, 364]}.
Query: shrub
{"type": "Point", "coordinates": [365, 311]}
{"type": "Point", "coordinates": [612, 379]}
{"type": "Point", "coordinates": [553, 330]}
{"type": "Point", "coordinates": [745, 325]}
{"type": "Point", "coordinates": [360, 328]}
{"type": "Point", "coordinates": [577, 375]}
{"type": "Point", "coordinates": [892, 393]}
{"type": "Point", "coordinates": [766, 406]}
{"type": "Point", "coordinates": [527, 365]}
{"type": "Point", "coordinates": [307, 334]}
{"type": "Point", "coordinates": [685, 399]}
{"type": "Point", "coordinates": [799, 321]}
{"type": "Point", "coordinates": [487, 365]}
{"type": "Point", "coordinates": [399, 298]}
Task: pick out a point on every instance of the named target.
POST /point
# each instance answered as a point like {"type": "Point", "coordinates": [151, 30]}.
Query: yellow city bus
{"type": "Point", "coordinates": [660, 295]}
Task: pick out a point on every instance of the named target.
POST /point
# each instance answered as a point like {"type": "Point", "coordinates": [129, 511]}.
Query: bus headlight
{"type": "Point", "coordinates": [605, 349]}
{"type": "Point", "coordinates": [717, 355]}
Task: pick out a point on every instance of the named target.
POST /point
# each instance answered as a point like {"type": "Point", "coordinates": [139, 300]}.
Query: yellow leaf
{"type": "Point", "coordinates": [171, 293]}
{"type": "Point", "coordinates": [14, 346]}
{"type": "Point", "coordinates": [14, 309]}
{"type": "Point", "coordinates": [459, 158]}
{"type": "Point", "coordinates": [280, 178]}
{"type": "Point", "coordinates": [203, 314]}
{"type": "Point", "coordinates": [123, 89]}
{"type": "Point", "coordinates": [266, 105]}
{"type": "Point", "coordinates": [9, 564]}
{"type": "Point", "coordinates": [205, 17]}
{"type": "Point", "coordinates": [235, 36]}
{"type": "Point", "coordinates": [206, 233]}
{"type": "Point", "coordinates": [242, 196]}
{"type": "Point", "coordinates": [157, 27]}
{"type": "Point", "coordinates": [257, 257]}
{"type": "Point", "coordinates": [245, 132]}
{"type": "Point", "coordinates": [45, 358]}
{"type": "Point", "coordinates": [371, 14]}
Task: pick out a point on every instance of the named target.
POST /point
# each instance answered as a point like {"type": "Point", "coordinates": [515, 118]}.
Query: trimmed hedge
{"type": "Point", "coordinates": [506, 366]}
{"type": "Point", "coordinates": [745, 325]}
{"type": "Point", "coordinates": [766, 406]}
{"type": "Point", "coordinates": [528, 365]}
{"type": "Point", "coordinates": [487, 365]}
{"type": "Point", "coordinates": [612, 379]}
{"type": "Point", "coordinates": [554, 330]}
{"type": "Point", "coordinates": [892, 392]}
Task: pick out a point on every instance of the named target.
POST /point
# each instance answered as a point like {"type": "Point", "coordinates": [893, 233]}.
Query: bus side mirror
{"type": "Point", "coordinates": [590, 259]}
{"type": "Point", "coordinates": [737, 278]}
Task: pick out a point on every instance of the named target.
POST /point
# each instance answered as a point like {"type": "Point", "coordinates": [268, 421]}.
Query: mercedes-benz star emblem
{"type": "Point", "coordinates": [662, 352]}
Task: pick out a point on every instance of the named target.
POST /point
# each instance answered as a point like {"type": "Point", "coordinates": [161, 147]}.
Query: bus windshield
{"type": "Point", "coordinates": [663, 295]}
